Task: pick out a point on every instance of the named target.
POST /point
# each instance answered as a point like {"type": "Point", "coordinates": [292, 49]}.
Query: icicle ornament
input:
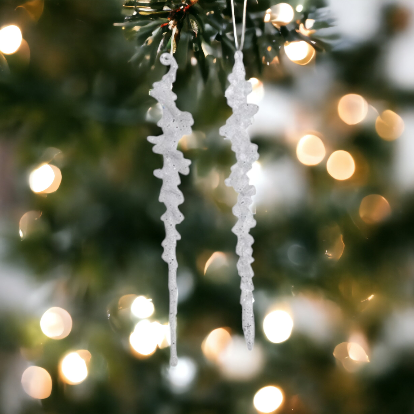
{"type": "Point", "coordinates": [174, 124]}
{"type": "Point", "coordinates": [246, 154]}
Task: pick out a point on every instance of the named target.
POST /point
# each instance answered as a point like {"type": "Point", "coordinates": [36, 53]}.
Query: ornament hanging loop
{"type": "Point", "coordinates": [233, 14]}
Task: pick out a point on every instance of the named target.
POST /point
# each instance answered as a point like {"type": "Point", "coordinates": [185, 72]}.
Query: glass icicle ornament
{"type": "Point", "coordinates": [174, 124]}
{"type": "Point", "coordinates": [246, 154]}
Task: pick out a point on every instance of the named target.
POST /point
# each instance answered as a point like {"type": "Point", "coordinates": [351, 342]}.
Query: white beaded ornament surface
{"type": "Point", "coordinates": [174, 124]}
{"type": "Point", "coordinates": [246, 154]}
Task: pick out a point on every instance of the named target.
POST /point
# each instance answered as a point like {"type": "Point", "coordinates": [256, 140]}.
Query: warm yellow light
{"type": "Point", "coordinates": [352, 109]}
{"type": "Point", "coordinates": [340, 165]}
{"type": "Point", "coordinates": [10, 39]}
{"type": "Point", "coordinates": [144, 339]}
{"type": "Point", "coordinates": [268, 399]}
{"type": "Point", "coordinates": [357, 353]}
{"type": "Point", "coordinates": [277, 326]}
{"type": "Point", "coordinates": [389, 125]}
{"type": "Point", "coordinates": [257, 93]}
{"type": "Point", "coordinates": [310, 150]}
{"type": "Point", "coordinates": [142, 307]}
{"type": "Point", "coordinates": [281, 14]}
{"type": "Point", "coordinates": [37, 382]}
{"type": "Point", "coordinates": [56, 323]}
{"type": "Point", "coordinates": [215, 343]}
{"type": "Point", "coordinates": [45, 179]}
{"type": "Point", "coordinates": [299, 52]}
{"type": "Point", "coordinates": [27, 222]}
{"type": "Point", "coordinates": [73, 368]}
{"type": "Point", "coordinates": [374, 208]}
{"type": "Point", "coordinates": [215, 261]}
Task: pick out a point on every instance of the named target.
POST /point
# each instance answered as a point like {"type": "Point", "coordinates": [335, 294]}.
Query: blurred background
{"type": "Point", "coordinates": [83, 288]}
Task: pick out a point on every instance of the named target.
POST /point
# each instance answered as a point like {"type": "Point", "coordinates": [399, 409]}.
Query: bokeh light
{"type": "Point", "coordinates": [374, 208]}
{"type": "Point", "coordinates": [277, 326]}
{"type": "Point", "coordinates": [45, 179]}
{"type": "Point", "coordinates": [389, 125]}
{"type": "Point", "coordinates": [142, 307]}
{"type": "Point", "coordinates": [10, 39]}
{"type": "Point", "coordinates": [215, 261]}
{"type": "Point", "coordinates": [145, 337]}
{"type": "Point", "coordinates": [268, 399]}
{"type": "Point", "coordinates": [340, 165]}
{"type": "Point", "coordinates": [299, 8]}
{"type": "Point", "coordinates": [182, 375]}
{"type": "Point", "coordinates": [357, 353]}
{"type": "Point", "coordinates": [56, 323]}
{"type": "Point", "coordinates": [351, 355]}
{"type": "Point", "coordinates": [215, 343]}
{"type": "Point", "coordinates": [299, 52]}
{"type": "Point", "coordinates": [237, 363]}
{"type": "Point", "coordinates": [310, 150]}
{"type": "Point", "coordinates": [73, 368]}
{"type": "Point", "coordinates": [257, 93]}
{"type": "Point", "coordinates": [352, 109]}
{"type": "Point", "coordinates": [281, 14]}
{"type": "Point", "coordinates": [37, 382]}
{"type": "Point", "coordinates": [27, 223]}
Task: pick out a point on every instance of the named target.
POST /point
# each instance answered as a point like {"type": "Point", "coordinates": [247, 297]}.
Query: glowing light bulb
{"type": "Point", "coordinates": [257, 93]}
{"type": "Point", "coordinates": [299, 52]}
{"type": "Point", "coordinates": [389, 125]}
{"type": "Point", "coordinates": [37, 382]}
{"type": "Point", "coordinates": [27, 223]}
{"type": "Point", "coordinates": [215, 343]}
{"type": "Point", "coordinates": [215, 261]}
{"type": "Point", "coordinates": [352, 109]}
{"type": "Point", "coordinates": [268, 399]}
{"type": "Point", "coordinates": [299, 8]}
{"type": "Point", "coordinates": [374, 208]}
{"type": "Point", "coordinates": [145, 337]}
{"type": "Point", "coordinates": [10, 39]}
{"type": "Point", "coordinates": [281, 14]}
{"type": "Point", "coordinates": [41, 178]}
{"type": "Point", "coordinates": [340, 165]}
{"type": "Point", "coordinates": [357, 353]}
{"type": "Point", "coordinates": [277, 326]}
{"type": "Point", "coordinates": [310, 150]}
{"type": "Point", "coordinates": [56, 323]}
{"type": "Point", "coordinates": [142, 307]}
{"type": "Point", "coordinates": [73, 368]}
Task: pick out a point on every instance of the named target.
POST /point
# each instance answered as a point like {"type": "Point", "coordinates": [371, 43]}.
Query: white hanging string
{"type": "Point", "coordinates": [243, 25]}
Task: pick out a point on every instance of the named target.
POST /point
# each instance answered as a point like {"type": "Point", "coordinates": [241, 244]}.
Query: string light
{"type": "Point", "coordinates": [310, 150]}
{"type": "Point", "coordinates": [73, 368]}
{"type": "Point", "coordinates": [340, 165]}
{"type": "Point", "coordinates": [281, 14]}
{"type": "Point", "coordinates": [389, 125]}
{"type": "Point", "coordinates": [299, 52]}
{"type": "Point", "coordinates": [374, 208]}
{"type": "Point", "coordinates": [56, 323]}
{"type": "Point", "coordinates": [27, 223]}
{"type": "Point", "coordinates": [142, 307]}
{"type": "Point", "coordinates": [145, 337]}
{"type": "Point", "coordinates": [45, 179]}
{"type": "Point", "coordinates": [352, 109]}
{"type": "Point", "coordinates": [37, 382]}
{"type": "Point", "coordinates": [277, 326]}
{"type": "Point", "coordinates": [215, 343]}
{"type": "Point", "coordinates": [268, 399]}
{"type": "Point", "coordinates": [10, 39]}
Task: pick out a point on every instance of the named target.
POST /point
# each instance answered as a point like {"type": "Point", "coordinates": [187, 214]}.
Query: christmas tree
{"type": "Point", "coordinates": [84, 290]}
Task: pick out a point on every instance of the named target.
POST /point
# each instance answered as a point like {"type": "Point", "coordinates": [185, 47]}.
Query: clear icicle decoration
{"type": "Point", "coordinates": [174, 124]}
{"type": "Point", "coordinates": [246, 154]}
